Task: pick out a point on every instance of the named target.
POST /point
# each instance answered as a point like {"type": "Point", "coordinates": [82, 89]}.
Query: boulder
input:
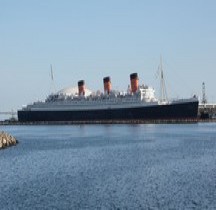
{"type": "Point", "coordinates": [7, 140]}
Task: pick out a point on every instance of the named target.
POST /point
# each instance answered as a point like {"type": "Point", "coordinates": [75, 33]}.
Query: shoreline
{"type": "Point", "coordinates": [186, 121]}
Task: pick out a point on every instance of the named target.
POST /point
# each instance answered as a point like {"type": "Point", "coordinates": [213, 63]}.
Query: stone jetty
{"type": "Point", "coordinates": [6, 140]}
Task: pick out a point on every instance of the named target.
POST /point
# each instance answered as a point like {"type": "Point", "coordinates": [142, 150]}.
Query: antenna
{"type": "Point", "coordinates": [204, 100]}
{"type": "Point", "coordinates": [163, 92]}
{"type": "Point", "coordinates": [53, 90]}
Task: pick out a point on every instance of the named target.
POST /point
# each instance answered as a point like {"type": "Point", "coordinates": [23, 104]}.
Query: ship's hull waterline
{"type": "Point", "coordinates": [179, 111]}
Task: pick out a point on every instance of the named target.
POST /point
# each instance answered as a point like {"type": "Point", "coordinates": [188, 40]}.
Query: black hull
{"type": "Point", "coordinates": [180, 111]}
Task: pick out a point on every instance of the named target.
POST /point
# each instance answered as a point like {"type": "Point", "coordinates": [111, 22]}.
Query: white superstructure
{"type": "Point", "coordinates": [69, 99]}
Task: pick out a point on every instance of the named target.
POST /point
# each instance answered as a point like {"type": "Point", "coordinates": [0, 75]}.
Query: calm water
{"type": "Point", "coordinates": [110, 167]}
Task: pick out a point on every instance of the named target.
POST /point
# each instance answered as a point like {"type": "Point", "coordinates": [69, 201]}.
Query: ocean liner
{"type": "Point", "coordinates": [137, 104]}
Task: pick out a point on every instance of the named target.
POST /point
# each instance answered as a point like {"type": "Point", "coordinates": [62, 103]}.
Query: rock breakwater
{"type": "Point", "coordinates": [7, 140]}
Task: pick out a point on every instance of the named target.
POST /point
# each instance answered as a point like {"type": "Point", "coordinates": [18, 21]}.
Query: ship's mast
{"type": "Point", "coordinates": [52, 80]}
{"type": "Point", "coordinates": [163, 92]}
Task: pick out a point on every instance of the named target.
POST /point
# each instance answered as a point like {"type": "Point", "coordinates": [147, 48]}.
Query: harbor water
{"type": "Point", "coordinates": [163, 166]}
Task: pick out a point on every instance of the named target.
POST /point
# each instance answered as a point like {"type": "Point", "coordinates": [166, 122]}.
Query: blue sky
{"type": "Point", "coordinates": [92, 39]}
